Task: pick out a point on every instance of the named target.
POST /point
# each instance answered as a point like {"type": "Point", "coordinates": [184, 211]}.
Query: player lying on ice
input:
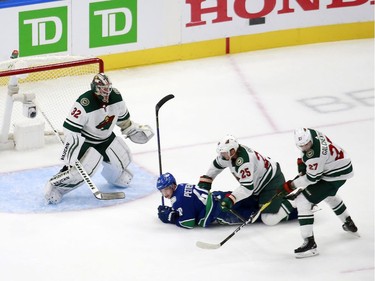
{"type": "Point", "coordinates": [89, 138]}
{"type": "Point", "coordinates": [195, 206]}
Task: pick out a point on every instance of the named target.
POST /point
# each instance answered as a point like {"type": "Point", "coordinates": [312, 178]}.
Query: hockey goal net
{"type": "Point", "coordinates": [53, 83]}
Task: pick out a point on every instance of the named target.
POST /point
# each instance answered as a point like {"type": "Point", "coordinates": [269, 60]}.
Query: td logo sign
{"type": "Point", "coordinates": [113, 23]}
{"type": "Point", "coordinates": [43, 31]}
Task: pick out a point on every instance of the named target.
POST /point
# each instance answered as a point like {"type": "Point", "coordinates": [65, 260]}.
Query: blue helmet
{"type": "Point", "coordinates": [165, 180]}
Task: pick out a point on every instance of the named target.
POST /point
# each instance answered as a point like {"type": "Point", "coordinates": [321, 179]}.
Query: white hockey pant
{"type": "Point", "coordinates": [66, 181]}
{"type": "Point", "coordinates": [115, 171]}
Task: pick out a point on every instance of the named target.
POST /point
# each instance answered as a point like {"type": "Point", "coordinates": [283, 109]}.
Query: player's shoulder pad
{"type": "Point", "coordinates": [115, 96]}
{"type": "Point", "coordinates": [243, 153]}
{"type": "Point", "coordinates": [86, 99]}
{"type": "Point", "coordinates": [116, 91]}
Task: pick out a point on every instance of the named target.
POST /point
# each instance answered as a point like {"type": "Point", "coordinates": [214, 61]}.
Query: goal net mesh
{"type": "Point", "coordinates": [56, 83]}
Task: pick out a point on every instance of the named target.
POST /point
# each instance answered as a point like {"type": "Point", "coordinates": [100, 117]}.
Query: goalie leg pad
{"type": "Point", "coordinates": [70, 179]}
{"type": "Point", "coordinates": [52, 194]}
{"type": "Point", "coordinates": [119, 154]}
{"type": "Point", "coordinates": [115, 171]}
{"type": "Point", "coordinates": [117, 177]}
{"type": "Point", "coordinates": [72, 146]}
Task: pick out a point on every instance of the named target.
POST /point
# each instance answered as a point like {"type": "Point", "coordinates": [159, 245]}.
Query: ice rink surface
{"type": "Point", "coordinates": [259, 97]}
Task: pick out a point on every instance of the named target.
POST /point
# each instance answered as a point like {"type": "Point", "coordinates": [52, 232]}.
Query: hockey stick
{"type": "Point", "coordinates": [157, 108]}
{"type": "Point", "coordinates": [237, 215]}
{"type": "Point", "coordinates": [252, 219]}
{"type": "Point", "coordinates": [96, 192]}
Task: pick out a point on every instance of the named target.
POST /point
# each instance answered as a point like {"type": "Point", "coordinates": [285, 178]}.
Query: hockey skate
{"type": "Point", "coordinates": [350, 227]}
{"type": "Point", "coordinates": [308, 249]}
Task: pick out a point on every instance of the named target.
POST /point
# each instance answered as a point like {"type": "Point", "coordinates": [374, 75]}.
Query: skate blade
{"type": "Point", "coordinates": [307, 254]}
{"type": "Point", "coordinates": [355, 234]}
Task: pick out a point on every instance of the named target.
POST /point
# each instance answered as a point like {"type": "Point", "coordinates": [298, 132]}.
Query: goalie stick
{"type": "Point", "coordinates": [95, 191]}
{"type": "Point", "coordinates": [157, 108]}
{"type": "Point", "coordinates": [252, 219]}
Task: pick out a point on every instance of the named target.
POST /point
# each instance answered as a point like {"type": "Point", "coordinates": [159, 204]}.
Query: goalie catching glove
{"type": "Point", "coordinates": [137, 133]}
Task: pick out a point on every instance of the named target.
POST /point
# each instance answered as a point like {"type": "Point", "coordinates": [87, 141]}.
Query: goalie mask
{"type": "Point", "coordinates": [102, 87]}
{"type": "Point", "coordinates": [226, 145]}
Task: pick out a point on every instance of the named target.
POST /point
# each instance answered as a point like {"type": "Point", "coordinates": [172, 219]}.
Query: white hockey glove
{"type": "Point", "coordinates": [138, 133]}
{"type": "Point", "coordinates": [72, 146]}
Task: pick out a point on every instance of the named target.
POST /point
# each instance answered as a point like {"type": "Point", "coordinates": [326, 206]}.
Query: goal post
{"type": "Point", "coordinates": [53, 82]}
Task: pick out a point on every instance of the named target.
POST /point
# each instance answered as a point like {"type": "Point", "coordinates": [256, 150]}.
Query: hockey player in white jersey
{"type": "Point", "coordinates": [323, 168]}
{"type": "Point", "coordinates": [257, 176]}
{"type": "Point", "coordinates": [89, 138]}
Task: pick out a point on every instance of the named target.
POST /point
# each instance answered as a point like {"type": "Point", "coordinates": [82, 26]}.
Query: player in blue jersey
{"type": "Point", "coordinates": [195, 206]}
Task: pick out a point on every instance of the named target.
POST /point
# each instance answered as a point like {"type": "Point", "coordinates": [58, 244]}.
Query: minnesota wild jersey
{"type": "Point", "coordinates": [324, 161]}
{"type": "Point", "coordinates": [94, 119]}
{"type": "Point", "coordinates": [252, 170]}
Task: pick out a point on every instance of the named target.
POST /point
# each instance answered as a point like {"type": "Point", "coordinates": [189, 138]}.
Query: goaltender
{"type": "Point", "coordinates": [89, 138]}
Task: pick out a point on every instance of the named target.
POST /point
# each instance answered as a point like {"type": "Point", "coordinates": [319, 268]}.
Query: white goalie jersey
{"type": "Point", "coordinates": [95, 120]}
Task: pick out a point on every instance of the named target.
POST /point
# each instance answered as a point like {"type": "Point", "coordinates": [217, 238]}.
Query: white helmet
{"type": "Point", "coordinates": [225, 145]}
{"type": "Point", "coordinates": [302, 136]}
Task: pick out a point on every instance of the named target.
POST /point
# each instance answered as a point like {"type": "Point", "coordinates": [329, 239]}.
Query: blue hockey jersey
{"type": "Point", "coordinates": [197, 206]}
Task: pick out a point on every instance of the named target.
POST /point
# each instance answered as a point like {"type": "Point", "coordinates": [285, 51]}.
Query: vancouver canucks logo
{"type": "Point", "coordinates": [106, 123]}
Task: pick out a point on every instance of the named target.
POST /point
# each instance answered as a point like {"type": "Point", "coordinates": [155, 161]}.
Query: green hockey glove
{"type": "Point", "coordinates": [205, 182]}
{"type": "Point", "coordinates": [301, 167]}
{"type": "Point", "coordinates": [227, 203]}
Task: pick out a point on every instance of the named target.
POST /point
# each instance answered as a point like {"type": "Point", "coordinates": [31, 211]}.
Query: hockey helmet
{"type": "Point", "coordinates": [102, 86]}
{"type": "Point", "coordinates": [165, 180]}
{"type": "Point", "coordinates": [302, 136]}
{"type": "Point", "coordinates": [225, 146]}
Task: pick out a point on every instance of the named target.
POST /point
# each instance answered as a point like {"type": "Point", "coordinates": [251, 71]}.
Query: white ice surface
{"type": "Point", "coordinates": [254, 96]}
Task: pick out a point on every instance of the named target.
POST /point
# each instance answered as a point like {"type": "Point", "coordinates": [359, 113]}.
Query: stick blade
{"type": "Point", "coordinates": [109, 196]}
{"type": "Point", "coordinates": [208, 246]}
{"type": "Point", "coordinates": [163, 101]}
